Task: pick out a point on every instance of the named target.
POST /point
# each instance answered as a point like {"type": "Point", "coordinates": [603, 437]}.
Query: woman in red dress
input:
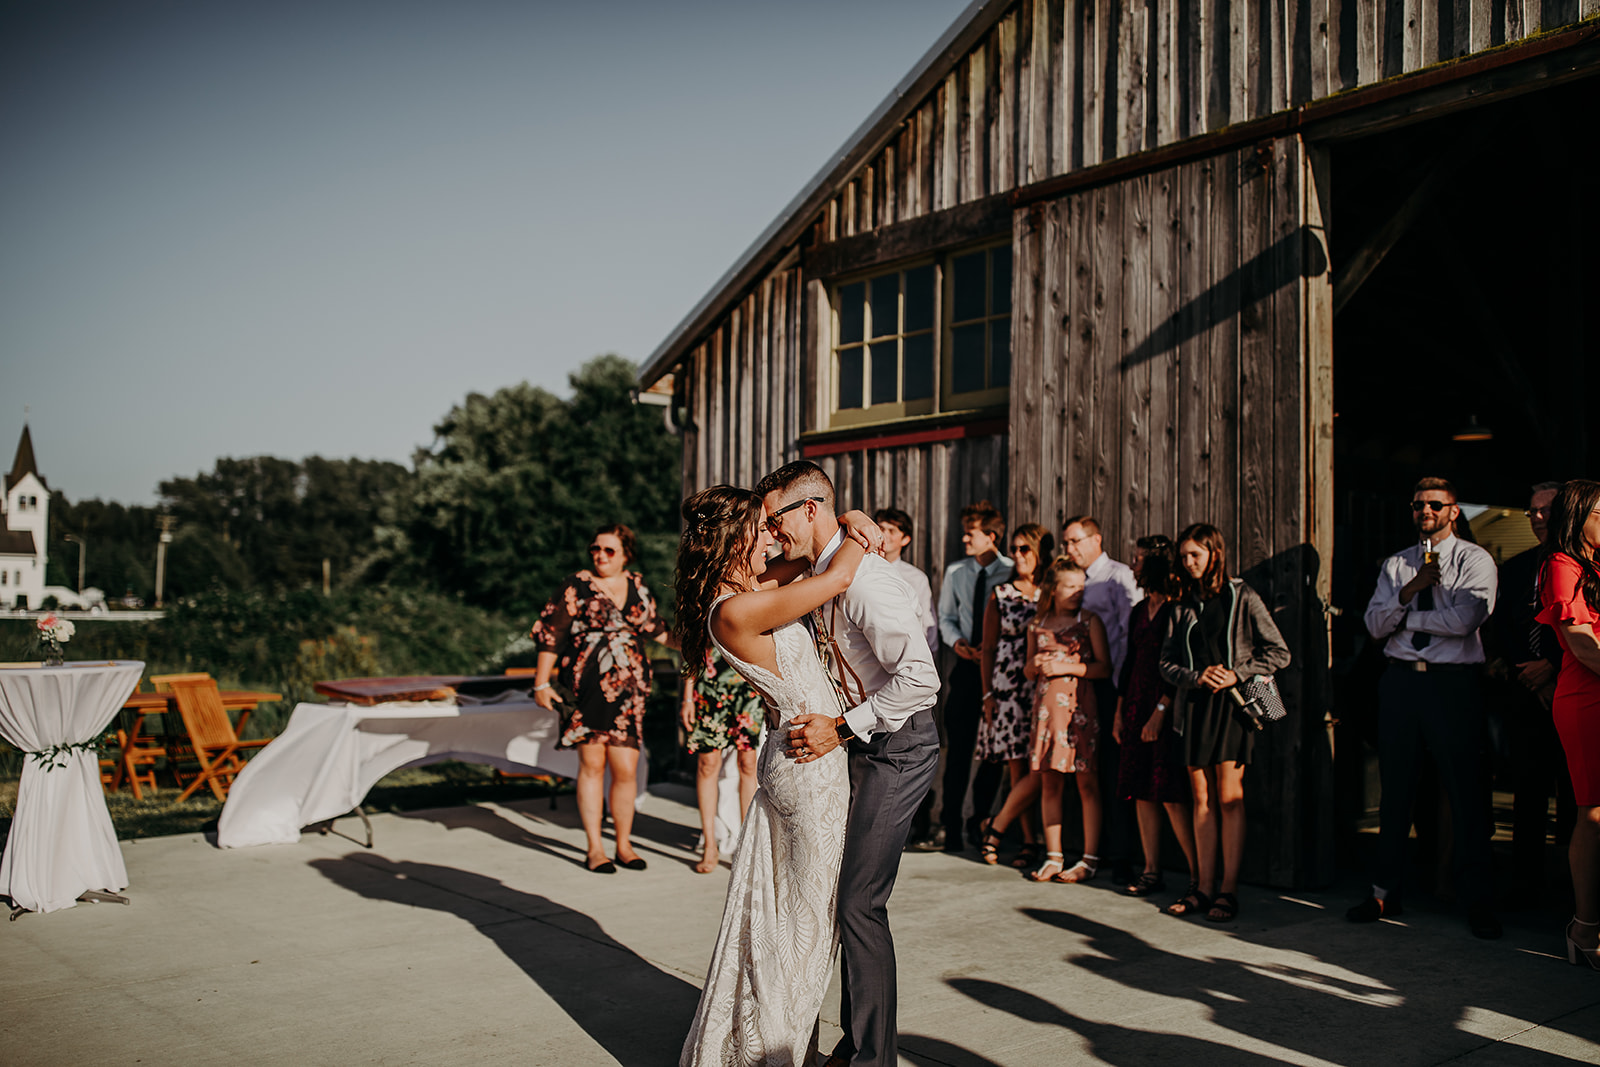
{"type": "Point", "coordinates": [1569, 593]}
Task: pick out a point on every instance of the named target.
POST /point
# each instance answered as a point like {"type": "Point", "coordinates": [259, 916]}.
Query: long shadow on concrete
{"type": "Point", "coordinates": [1291, 1007]}
{"type": "Point", "coordinates": [636, 1012]}
{"type": "Point", "coordinates": [667, 840]}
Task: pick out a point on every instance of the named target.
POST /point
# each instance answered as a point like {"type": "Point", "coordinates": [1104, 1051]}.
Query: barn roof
{"type": "Point", "coordinates": [787, 228]}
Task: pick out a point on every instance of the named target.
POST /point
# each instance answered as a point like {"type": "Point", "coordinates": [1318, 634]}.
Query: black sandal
{"type": "Point", "coordinates": [1191, 902]}
{"type": "Point", "coordinates": [1149, 882]}
{"type": "Point", "coordinates": [1028, 856]}
{"type": "Point", "coordinates": [989, 843]}
{"type": "Point", "coordinates": [1224, 908]}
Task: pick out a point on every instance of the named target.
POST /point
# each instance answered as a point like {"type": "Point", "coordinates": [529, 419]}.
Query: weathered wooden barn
{"type": "Point", "coordinates": [1252, 262]}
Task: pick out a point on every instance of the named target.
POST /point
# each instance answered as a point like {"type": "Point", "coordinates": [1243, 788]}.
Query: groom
{"type": "Point", "coordinates": [873, 646]}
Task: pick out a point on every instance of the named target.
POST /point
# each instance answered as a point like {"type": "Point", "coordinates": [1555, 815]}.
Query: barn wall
{"type": "Point", "coordinates": [1169, 367]}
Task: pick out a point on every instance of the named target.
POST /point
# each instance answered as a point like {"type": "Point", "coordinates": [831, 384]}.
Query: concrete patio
{"type": "Point", "coordinates": [473, 935]}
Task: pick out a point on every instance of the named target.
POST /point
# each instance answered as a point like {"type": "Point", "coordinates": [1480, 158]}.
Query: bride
{"type": "Point", "coordinates": [774, 953]}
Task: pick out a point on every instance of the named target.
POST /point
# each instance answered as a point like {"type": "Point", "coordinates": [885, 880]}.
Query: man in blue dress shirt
{"type": "Point", "coordinates": [967, 585]}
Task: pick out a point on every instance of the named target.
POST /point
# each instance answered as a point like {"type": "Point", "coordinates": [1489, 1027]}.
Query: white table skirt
{"type": "Point", "coordinates": [331, 755]}
{"type": "Point", "coordinates": [61, 842]}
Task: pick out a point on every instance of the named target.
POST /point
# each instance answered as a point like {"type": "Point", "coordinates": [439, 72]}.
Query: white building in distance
{"type": "Point", "coordinates": [24, 530]}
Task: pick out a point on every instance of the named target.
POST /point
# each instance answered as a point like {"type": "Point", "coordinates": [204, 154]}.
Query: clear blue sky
{"type": "Point", "coordinates": [295, 228]}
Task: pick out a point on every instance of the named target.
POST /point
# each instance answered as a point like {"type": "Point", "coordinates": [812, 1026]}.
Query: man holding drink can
{"type": "Point", "coordinates": [1430, 601]}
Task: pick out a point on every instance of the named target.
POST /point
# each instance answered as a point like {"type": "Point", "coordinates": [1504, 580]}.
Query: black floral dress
{"type": "Point", "coordinates": [1010, 733]}
{"type": "Point", "coordinates": [727, 711]}
{"type": "Point", "coordinates": [600, 660]}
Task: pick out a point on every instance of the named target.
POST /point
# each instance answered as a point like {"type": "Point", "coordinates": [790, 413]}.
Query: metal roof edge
{"type": "Point", "coordinates": [954, 43]}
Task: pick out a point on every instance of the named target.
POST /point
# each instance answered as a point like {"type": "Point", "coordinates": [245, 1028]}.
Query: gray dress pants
{"type": "Point", "coordinates": [889, 776]}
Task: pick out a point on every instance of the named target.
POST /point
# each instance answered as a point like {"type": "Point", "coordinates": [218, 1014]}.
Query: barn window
{"type": "Point", "coordinates": [923, 339]}
{"type": "Point", "coordinates": [884, 334]}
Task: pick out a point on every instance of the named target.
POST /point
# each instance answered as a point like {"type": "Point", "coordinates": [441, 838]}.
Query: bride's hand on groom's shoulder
{"type": "Point", "coordinates": [859, 527]}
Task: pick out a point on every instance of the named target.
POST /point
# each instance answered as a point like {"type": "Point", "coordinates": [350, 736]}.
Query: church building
{"type": "Point", "coordinates": [24, 530]}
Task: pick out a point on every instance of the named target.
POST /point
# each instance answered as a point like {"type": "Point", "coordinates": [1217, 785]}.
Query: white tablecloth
{"type": "Point", "coordinates": [330, 755]}
{"type": "Point", "coordinates": [62, 842]}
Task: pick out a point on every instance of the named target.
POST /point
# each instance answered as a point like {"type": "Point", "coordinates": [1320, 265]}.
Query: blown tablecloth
{"type": "Point", "coordinates": [330, 755]}
{"type": "Point", "coordinates": [62, 842]}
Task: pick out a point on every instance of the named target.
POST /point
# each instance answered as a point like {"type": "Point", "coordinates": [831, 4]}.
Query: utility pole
{"type": "Point", "coordinates": [82, 548]}
{"type": "Point", "coordinates": [166, 523]}
{"type": "Point", "coordinates": [327, 574]}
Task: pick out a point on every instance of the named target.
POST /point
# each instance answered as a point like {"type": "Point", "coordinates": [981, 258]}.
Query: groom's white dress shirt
{"type": "Point", "coordinates": [879, 632]}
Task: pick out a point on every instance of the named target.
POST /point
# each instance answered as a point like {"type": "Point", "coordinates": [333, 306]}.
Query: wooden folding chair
{"type": "Point", "coordinates": [212, 741]}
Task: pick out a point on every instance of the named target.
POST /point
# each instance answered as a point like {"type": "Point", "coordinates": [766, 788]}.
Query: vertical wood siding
{"type": "Point", "coordinates": [746, 388]}
{"type": "Point", "coordinates": [931, 483]}
{"type": "Point", "coordinates": [1164, 373]}
{"type": "Point", "coordinates": [1056, 86]}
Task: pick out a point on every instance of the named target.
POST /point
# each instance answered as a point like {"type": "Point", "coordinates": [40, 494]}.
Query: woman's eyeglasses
{"type": "Point", "coordinates": [596, 549]}
{"type": "Point", "coordinates": [1432, 505]}
{"type": "Point", "coordinates": [1017, 550]}
{"type": "Point", "coordinates": [772, 520]}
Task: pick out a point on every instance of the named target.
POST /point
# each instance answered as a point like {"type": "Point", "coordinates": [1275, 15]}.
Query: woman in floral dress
{"type": "Point", "coordinates": [1006, 731]}
{"type": "Point", "coordinates": [720, 711]}
{"type": "Point", "coordinates": [590, 635]}
{"type": "Point", "coordinates": [1066, 646]}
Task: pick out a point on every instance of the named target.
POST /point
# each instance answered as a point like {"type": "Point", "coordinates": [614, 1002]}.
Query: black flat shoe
{"type": "Point", "coordinates": [1372, 909]}
{"type": "Point", "coordinates": [605, 868]}
{"type": "Point", "coordinates": [1483, 923]}
{"type": "Point", "coordinates": [635, 864]}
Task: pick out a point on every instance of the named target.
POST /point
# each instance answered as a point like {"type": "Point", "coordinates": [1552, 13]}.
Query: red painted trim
{"type": "Point", "coordinates": [986, 428]}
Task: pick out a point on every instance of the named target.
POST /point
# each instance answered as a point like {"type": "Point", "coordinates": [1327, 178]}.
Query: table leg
{"type": "Point", "coordinates": [99, 896]}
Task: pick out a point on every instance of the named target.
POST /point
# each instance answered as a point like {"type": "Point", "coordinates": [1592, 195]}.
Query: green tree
{"type": "Point", "coordinates": [284, 518]}
{"type": "Point", "coordinates": [502, 506]}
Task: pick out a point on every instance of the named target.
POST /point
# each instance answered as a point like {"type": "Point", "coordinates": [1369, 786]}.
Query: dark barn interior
{"type": "Point", "coordinates": [1464, 294]}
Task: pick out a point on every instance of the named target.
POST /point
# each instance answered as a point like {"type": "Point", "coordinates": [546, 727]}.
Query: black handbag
{"type": "Point", "coordinates": [1259, 699]}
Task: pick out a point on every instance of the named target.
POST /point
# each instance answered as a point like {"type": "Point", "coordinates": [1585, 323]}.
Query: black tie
{"type": "Point", "coordinates": [978, 606]}
{"type": "Point", "coordinates": [1421, 638]}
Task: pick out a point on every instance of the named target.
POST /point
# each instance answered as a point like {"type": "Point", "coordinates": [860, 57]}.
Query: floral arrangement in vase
{"type": "Point", "coordinates": [54, 632]}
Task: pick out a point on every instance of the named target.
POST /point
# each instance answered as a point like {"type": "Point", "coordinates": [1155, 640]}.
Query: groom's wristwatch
{"type": "Point", "coordinates": [842, 728]}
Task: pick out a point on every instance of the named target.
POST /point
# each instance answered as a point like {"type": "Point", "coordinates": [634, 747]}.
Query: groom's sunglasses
{"type": "Point", "coordinates": [772, 520]}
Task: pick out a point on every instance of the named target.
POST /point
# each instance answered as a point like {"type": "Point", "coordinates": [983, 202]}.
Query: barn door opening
{"type": "Point", "coordinates": [1462, 301]}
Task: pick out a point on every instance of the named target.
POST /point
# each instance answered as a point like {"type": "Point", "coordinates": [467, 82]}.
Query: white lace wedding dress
{"type": "Point", "coordinates": [774, 953]}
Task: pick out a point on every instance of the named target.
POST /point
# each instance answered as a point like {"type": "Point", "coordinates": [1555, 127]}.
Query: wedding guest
{"type": "Point", "coordinates": [1530, 657]}
{"type": "Point", "coordinates": [589, 636]}
{"type": "Point", "coordinates": [1218, 634]}
{"type": "Point", "coordinates": [961, 599]}
{"type": "Point", "coordinates": [1110, 592]}
{"type": "Point", "coordinates": [1151, 773]}
{"type": "Point", "coordinates": [1431, 598]}
{"type": "Point", "coordinates": [1006, 733]}
{"type": "Point", "coordinates": [1569, 592]}
{"type": "Point", "coordinates": [896, 527]}
{"type": "Point", "coordinates": [720, 711]}
{"type": "Point", "coordinates": [1067, 653]}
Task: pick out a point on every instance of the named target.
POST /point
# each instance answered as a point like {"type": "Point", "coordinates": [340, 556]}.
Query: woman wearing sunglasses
{"type": "Point", "coordinates": [591, 635]}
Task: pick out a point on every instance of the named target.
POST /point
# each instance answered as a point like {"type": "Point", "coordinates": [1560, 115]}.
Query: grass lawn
{"type": "Point", "coordinates": [440, 785]}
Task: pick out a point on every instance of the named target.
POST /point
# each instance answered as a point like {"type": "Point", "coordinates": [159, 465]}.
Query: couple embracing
{"type": "Point", "coordinates": [851, 750]}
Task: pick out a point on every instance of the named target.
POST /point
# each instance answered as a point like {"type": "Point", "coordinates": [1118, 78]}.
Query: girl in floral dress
{"type": "Point", "coordinates": [1066, 646]}
{"type": "Point", "coordinates": [590, 635]}
{"type": "Point", "coordinates": [720, 711]}
{"type": "Point", "coordinates": [1006, 731]}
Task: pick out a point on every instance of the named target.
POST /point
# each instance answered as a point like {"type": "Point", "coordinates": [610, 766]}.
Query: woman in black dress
{"type": "Point", "coordinates": [1152, 772]}
{"type": "Point", "coordinates": [1219, 634]}
{"type": "Point", "coordinates": [590, 633]}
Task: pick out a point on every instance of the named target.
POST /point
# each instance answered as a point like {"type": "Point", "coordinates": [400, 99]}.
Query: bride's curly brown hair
{"type": "Point", "coordinates": [720, 525]}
